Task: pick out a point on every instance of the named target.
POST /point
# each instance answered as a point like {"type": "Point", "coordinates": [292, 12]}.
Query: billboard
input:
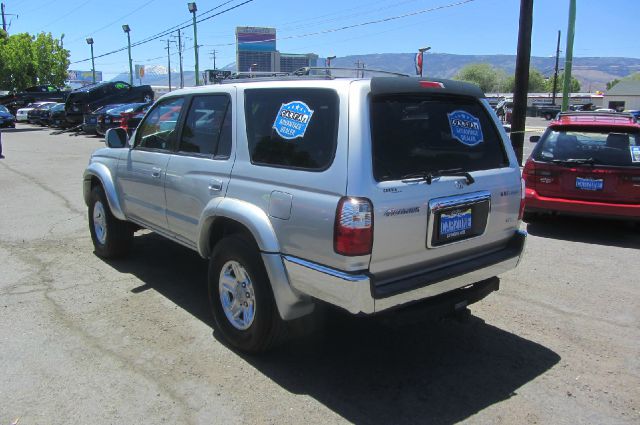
{"type": "Point", "coordinates": [256, 39]}
{"type": "Point", "coordinates": [83, 76]}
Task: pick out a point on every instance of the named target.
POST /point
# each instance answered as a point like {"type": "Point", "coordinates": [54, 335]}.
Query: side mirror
{"type": "Point", "coordinates": [534, 139]}
{"type": "Point", "coordinates": [116, 138]}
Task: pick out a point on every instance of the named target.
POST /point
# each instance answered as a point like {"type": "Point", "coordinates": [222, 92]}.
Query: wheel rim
{"type": "Point", "coordinates": [236, 295]}
{"type": "Point", "coordinates": [99, 222]}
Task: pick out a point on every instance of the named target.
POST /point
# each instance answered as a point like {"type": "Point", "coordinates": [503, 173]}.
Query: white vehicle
{"type": "Point", "coordinates": [21, 114]}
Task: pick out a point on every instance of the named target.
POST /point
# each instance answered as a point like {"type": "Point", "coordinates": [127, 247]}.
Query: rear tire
{"type": "Point", "coordinates": [111, 237]}
{"type": "Point", "coordinates": [240, 296]}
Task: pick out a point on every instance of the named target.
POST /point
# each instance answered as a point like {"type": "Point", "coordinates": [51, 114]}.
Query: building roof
{"type": "Point", "coordinates": [625, 88]}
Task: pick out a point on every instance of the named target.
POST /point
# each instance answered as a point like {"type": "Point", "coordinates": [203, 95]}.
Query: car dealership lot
{"type": "Point", "coordinates": [89, 341]}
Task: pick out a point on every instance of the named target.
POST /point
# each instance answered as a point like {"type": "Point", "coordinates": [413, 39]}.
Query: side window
{"type": "Point", "coordinates": [207, 128]}
{"type": "Point", "coordinates": [157, 131]}
{"type": "Point", "coordinates": [292, 128]}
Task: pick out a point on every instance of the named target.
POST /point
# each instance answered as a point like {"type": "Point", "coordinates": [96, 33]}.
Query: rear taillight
{"type": "Point", "coordinates": [538, 175]}
{"type": "Point", "coordinates": [353, 231]}
{"type": "Point", "coordinates": [124, 120]}
{"type": "Point", "coordinates": [431, 84]}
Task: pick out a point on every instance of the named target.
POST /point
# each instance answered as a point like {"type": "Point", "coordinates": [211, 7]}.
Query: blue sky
{"type": "Point", "coordinates": [604, 28]}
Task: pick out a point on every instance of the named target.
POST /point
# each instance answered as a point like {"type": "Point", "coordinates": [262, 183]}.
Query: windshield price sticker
{"type": "Point", "coordinates": [465, 128]}
{"type": "Point", "coordinates": [635, 153]}
{"type": "Point", "coordinates": [455, 224]}
{"type": "Point", "coordinates": [292, 120]}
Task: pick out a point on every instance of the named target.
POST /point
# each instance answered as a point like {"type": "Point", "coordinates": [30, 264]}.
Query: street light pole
{"type": "Point", "coordinates": [93, 65]}
{"type": "Point", "coordinates": [127, 29]}
{"type": "Point", "coordinates": [193, 9]}
{"type": "Point", "coordinates": [422, 50]}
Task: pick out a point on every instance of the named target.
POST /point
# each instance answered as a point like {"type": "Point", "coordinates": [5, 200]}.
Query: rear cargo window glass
{"type": "Point", "coordinates": [418, 134]}
{"type": "Point", "coordinates": [599, 146]}
{"type": "Point", "coordinates": [293, 128]}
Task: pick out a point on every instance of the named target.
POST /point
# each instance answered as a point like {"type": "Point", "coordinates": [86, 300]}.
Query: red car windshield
{"type": "Point", "coordinates": [600, 146]}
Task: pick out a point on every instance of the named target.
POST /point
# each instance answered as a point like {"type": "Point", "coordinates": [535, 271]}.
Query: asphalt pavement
{"type": "Point", "coordinates": [88, 341]}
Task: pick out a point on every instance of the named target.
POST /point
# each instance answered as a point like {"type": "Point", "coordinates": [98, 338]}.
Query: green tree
{"type": "Point", "coordinates": [612, 83]}
{"type": "Point", "coordinates": [482, 74]}
{"type": "Point", "coordinates": [26, 61]}
{"type": "Point", "coordinates": [537, 82]}
{"type": "Point", "coordinates": [575, 84]}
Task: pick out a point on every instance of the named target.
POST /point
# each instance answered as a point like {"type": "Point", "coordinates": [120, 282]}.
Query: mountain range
{"type": "Point", "coordinates": [592, 72]}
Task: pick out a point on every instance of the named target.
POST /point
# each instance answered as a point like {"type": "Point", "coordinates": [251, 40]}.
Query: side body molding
{"type": "Point", "coordinates": [291, 303]}
{"type": "Point", "coordinates": [103, 173]}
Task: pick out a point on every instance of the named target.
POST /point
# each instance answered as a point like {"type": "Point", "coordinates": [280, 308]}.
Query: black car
{"type": "Point", "coordinates": [15, 101]}
{"type": "Point", "coordinates": [89, 98]}
{"type": "Point", "coordinates": [34, 116]}
{"type": "Point", "coordinates": [131, 120]}
{"type": "Point", "coordinates": [118, 117]}
{"type": "Point", "coordinates": [56, 116]}
{"type": "Point", "coordinates": [6, 118]}
{"type": "Point", "coordinates": [90, 120]}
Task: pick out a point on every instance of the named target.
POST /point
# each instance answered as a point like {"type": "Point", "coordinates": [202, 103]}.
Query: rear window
{"type": "Point", "coordinates": [292, 128]}
{"type": "Point", "coordinates": [601, 146]}
{"type": "Point", "coordinates": [416, 134]}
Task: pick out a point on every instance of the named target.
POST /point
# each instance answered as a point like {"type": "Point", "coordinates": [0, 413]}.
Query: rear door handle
{"type": "Point", "coordinates": [215, 185]}
{"type": "Point", "coordinates": [155, 172]}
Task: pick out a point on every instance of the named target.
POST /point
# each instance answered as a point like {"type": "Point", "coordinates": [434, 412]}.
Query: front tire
{"type": "Point", "coordinates": [240, 296]}
{"type": "Point", "coordinates": [111, 237]}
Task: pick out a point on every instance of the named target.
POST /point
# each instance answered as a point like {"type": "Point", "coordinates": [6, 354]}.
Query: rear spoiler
{"type": "Point", "coordinates": [386, 85]}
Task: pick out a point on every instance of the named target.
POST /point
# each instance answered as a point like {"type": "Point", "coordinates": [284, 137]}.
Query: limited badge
{"type": "Point", "coordinates": [635, 153]}
{"type": "Point", "coordinates": [292, 120]}
{"type": "Point", "coordinates": [465, 128]}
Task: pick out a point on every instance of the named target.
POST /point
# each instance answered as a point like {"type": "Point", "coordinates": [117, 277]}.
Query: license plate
{"type": "Point", "coordinates": [589, 184]}
{"type": "Point", "coordinates": [455, 223]}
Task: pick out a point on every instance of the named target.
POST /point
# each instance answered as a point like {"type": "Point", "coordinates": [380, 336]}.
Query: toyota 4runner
{"type": "Point", "coordinates": [365, 193]}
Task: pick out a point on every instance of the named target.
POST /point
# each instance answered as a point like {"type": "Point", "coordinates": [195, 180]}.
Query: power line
{"type": "Point", "coordinates": [166, 32]}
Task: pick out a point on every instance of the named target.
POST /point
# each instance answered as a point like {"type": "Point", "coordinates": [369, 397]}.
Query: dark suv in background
{"type": "Point", "coordinates": [89, 98]}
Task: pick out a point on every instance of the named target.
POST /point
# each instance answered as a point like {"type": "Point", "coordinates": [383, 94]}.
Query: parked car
{"type": "Point", "coordinates": [22, 114]}
{"type": "Point", "coordinates": [586, 163]}
{"type": "Point", "coordinates": [42, 93]}
{"type": "Point", "coordinates": [35, 114]}
{"type": "Point", "coordinates": [504, 110]}
{"type": "Point", "coordinates": [89, 98]}
{"type": "Point", "coordinates": [129, 120]}
{"type": "Point", "coordinates": [113, 117]}
{"type": "Point", "coordinates": [7, 120]}
{"type": "Point", "coordinates": [366, 193]}
{"type": "Point", "coordinates": [90, 120]}
{"type": "Point", "coordinates": [56, 116]}
{"type": "Point", "coordinates": [44, 117]}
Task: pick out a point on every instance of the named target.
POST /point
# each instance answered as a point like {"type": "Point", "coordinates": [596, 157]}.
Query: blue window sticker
{"type": "Point", "coordinates": [465, 128]}
{"type": "Point", "coordinates": [635, 153]}
{"type": "Point", "coordinates": [292, 120]}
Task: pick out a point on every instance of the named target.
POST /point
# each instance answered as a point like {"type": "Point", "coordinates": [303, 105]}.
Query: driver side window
{"type": "Point", "coordinates": [158, 129]}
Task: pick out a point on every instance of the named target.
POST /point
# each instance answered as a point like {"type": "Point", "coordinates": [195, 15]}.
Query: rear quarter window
{"type": "Point", "coordinates": [417, 133]}
{"type": "Point", "coordinates": [292, 127]}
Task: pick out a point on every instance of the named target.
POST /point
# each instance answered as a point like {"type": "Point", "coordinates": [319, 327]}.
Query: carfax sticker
{"type": "Point", "coordinates": [635, 153]}
{"type": "Point", "coordinates": [292, 120]}
{"type": "Point", "coordinates": [465, 128]}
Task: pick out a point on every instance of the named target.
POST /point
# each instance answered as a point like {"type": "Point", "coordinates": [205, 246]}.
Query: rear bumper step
{"type": "Point", "coordinates": [359, 293]}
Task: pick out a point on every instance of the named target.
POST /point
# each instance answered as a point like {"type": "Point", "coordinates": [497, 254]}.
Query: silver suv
{"type": "Point", "coordinates": [365, 193]}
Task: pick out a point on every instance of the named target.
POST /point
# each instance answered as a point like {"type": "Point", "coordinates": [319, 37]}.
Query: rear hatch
{"type": "Point", "coordinates": [441, 182]}
{"type": "Point", "coordinates": [589, 164]}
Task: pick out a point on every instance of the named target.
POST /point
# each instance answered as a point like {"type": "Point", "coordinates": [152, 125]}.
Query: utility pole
{"type": "Point", "coordinates": [568, 61]}
{"type": "Point", "coordinates": [555, 73]}
{"type": "Point", "coordinates": [213, 56]}
{"type": "Point", "coordinates": [180, 57]}
{"type": "Point", "coordinates": [169, 62]}
{"type": "Point", "coordinates": [4, 20]}
{"type": "Point", "coordinates": [523, 60]}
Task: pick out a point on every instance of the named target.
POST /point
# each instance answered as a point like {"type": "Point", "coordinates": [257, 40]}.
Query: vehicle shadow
{"type": "Point", "coordinates": [587, 230]}
{"type": "Point", "coordinates": [20, 129]}
{"type": "Point", "coordinates": [398, 369]}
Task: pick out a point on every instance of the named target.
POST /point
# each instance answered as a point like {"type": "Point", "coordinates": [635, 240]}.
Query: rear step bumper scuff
{"type": "Point", "coordinates": [356, 293]}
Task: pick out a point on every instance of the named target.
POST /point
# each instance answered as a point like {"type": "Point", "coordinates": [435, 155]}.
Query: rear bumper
{"type": "Point", "coordinates": [537, 203]}
{"type": "Point", "coordinates": [359, 293]}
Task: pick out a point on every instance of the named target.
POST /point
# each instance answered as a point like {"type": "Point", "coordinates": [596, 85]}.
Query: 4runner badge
{"type": "Point", "coordinates": [465, 128]}
{"type": "Point", "coordinates": [292, 120]}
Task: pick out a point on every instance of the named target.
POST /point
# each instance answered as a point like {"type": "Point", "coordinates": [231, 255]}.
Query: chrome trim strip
{"type": "Point", "coordinates": [326, 270]}
{"type": "Point", "coordinates": [466, 200]}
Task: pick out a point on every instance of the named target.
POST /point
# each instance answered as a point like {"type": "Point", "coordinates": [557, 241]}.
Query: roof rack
{"type": "Point", "coordinates": [359, 72]}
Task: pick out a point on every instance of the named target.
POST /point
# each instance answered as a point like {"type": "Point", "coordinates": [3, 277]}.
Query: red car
{"type": "Point", "coordinates": [586, 163]}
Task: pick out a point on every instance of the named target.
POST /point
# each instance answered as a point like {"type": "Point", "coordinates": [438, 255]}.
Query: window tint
{"type": "Point", "coordinates": [207, 128]}
{"type": "Point", "coordinates": [416, 134]}
{"type": "Point", "coordinates": [605, 146]}
{"type": "Point", "coordinates": [157, 131]}
{"type": "Point", "coordinates": [294, 128]}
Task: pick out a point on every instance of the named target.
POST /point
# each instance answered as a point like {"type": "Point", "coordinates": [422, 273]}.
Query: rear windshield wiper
{"type": "Point", "coordinates": [428, 176]}
{"type": "Point", "coordinates": [575, 161]}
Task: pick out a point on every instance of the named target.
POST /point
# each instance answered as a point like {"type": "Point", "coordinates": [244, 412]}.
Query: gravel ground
{"type": "Point", "coordinates": [86, 341]}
